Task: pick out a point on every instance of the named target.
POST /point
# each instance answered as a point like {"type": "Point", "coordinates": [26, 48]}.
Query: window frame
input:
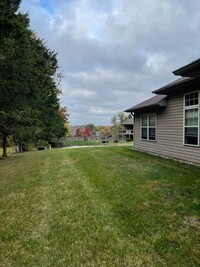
{"type": "Point", "coordinates": [148, 126]}
{"type": "Point", "coordinates": [191, 107]}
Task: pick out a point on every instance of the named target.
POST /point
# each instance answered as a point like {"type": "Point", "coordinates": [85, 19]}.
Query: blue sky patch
{"type": "Point", "coordinates": [46, 4]}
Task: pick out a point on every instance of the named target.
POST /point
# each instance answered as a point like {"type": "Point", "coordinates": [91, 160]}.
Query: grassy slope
{"type": "Point", "coordinates": [106, 206]}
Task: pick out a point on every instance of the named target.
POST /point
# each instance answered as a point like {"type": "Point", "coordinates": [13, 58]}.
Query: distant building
{"type": "Point", "coordinates": [126, 133]}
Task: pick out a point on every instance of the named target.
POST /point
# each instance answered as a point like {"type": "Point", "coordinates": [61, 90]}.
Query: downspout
{"type": "Point", "coordinates": [132, 114]}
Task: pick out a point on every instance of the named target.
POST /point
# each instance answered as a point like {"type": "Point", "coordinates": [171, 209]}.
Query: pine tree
{"type": "Point", "coordinates": [29, 102]}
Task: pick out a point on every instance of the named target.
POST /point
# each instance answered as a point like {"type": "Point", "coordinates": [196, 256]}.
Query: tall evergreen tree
{"type": "Point", "coordinates": [29, 103]}
{"type": "Point", "coordinates": [13, 42]}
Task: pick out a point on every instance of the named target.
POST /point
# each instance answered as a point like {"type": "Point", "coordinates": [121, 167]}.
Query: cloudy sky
{"type": "Point", "coordinates": [113, 53]}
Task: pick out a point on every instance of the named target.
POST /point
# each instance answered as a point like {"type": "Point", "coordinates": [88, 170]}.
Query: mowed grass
{"type": "Point", "coordinates": [105, 206]}
{"type": "Point", "coordinates": [84, 143]}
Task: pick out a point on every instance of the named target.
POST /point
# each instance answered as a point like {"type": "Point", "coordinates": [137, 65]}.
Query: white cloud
{"type": "Point", "coordinates": [84, 94]}
{"type": "Point", "coordinates": [100, 111]}
{"type": "Point", "coordinates": [113, 53]}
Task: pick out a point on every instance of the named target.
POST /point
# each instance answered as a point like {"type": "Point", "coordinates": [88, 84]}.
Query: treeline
{"type": "Point", "coordinates": [89, 130]}
{"type": "Point", "coordinates": [29, 83]}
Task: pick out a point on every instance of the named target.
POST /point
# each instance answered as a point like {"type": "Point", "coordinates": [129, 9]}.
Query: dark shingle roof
{"type": "Point", "coordinates": [151, 102]}
{"type": "Point", "coordinates": [175, 83]}
{"type": "Point", "coordinates": [190, 70]}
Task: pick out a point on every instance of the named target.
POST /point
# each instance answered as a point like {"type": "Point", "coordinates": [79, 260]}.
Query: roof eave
{"type": "Point", "coordinates": [165, 89]}
{"type": "Point", "coordinates": [161, 104]}
{"type": "Point", "coordinates": [187, 68]}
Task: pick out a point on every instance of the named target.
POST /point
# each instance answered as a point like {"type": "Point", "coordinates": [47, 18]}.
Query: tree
{"type": "Point", "coordinates": [105, 131]}
{"type": "Point", "coordinates": [91, 126]}
{"type": "Point", "coordinates": [117, 121]}
{"type": "Point", "coordinates": [87, 133]}
{"type": "Point", "coordinates": [119, 118]}
{"type": "Point", "coordinates": [79, 132]}
{"type": "Point", "coordinates": [48, 119]}
{"type": "Point", "coordinates": [14, 38]}
{"type": "Point", "coordinates": [29, 82]}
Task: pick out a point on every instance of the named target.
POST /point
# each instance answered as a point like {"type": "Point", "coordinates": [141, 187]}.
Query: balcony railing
{"type": "Point", "coordinates": [125, 132]}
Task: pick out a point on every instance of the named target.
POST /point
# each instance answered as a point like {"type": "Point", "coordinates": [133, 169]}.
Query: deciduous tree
{"type": "Point", "coordinates": [117, 121]}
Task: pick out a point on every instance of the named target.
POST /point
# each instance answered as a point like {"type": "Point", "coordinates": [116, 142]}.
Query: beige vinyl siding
{"type": "Point", "coordinates": [169, 134]}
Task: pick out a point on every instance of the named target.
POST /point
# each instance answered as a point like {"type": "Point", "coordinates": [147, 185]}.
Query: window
{"type": "Point", "coordinates": [129, 127]}
{"type": "Point", "coordinates": [148, 127]}
{"type": "Point", "coordinates": [191, 119]}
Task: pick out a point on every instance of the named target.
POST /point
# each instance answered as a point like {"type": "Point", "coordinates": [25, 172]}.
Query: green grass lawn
{"type": "Point", "coordinates": [83, 143]}
{"type": "Point", "coordinates": [100, 206]}
{"type": "Point", "coordinates": [95, 143]}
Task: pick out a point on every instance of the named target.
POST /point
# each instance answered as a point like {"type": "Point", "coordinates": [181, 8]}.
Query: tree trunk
{"type": "Point", "coordinates": [20, 147]}
{"type": "Point", "coordinates": [4, 147]}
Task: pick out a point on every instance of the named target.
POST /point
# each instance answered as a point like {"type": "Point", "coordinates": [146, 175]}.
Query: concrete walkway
{"type": "Point", "coordinates": [105, 145]}
{"type": "Point", "coordinates": [68, 147]}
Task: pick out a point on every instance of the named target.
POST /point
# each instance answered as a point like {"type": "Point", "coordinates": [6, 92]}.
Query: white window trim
{"type": "Point", "coordinates": [188, 108]}
{"type": "Point", "coordinates": [148, 114]}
